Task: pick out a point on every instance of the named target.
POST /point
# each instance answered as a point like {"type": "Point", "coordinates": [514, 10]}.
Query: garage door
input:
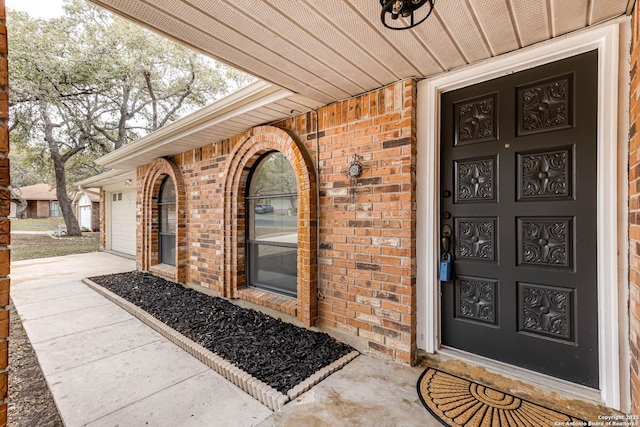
{"type": "Point", "coordinates": [123, 222]}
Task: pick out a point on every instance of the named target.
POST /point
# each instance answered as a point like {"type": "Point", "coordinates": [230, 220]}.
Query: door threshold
{"type": "Point", "coordinates": [541, 389]}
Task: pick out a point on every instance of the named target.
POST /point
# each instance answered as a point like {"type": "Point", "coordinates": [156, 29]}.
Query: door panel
{"type": "Point", "coordinates": [85, 217]}
{"type": "Point", "coordinates": [519, 192]}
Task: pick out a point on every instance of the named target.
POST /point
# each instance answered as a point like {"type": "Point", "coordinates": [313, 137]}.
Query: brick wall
{"type": "Point", "coordinates": [634, 212]}
{"type": "Point", "coordinates": [367, 244]}
{"type": "Point", "coordinates": [147, 251]}
{"type": "Point", "coordinates": [42, 208]}
{"type": "Point", "coordinates": [95, 216]}
{"type": "Point", "coordinates": [366, 249]}
{"type": "Point", "coordinates": [5, 226]}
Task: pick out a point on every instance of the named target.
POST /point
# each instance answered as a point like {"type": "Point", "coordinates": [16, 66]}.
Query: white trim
{"type": "Point", "coordinates": [624, 85]}
{"type": "Point", "coordinates": [611, 312]}
{"type": "Point", "coordinates": [107, 178]}
{"type": "Point", "coordinates": [566, 389]}
{"type": "Point", "coordinates": [107, 220]}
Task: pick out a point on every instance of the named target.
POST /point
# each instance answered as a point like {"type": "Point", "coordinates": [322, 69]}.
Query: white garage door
{"type": "Point", "coordinates": [123, 222]}
{"type": "Point", "coordinates": [85, 217]}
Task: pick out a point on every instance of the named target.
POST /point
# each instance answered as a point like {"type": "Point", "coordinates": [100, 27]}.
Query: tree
{"type": "Point", "coordinates": [276, 176]}
{"type": "Point", "coordinates": [88, 82]}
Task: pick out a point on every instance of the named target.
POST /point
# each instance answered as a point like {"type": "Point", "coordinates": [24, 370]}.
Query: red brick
{"type": "Point", "coordinates": [211, 189]}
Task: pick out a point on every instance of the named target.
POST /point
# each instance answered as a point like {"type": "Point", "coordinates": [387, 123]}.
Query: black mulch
{"type": "Point", "coordinates": [277, 353]}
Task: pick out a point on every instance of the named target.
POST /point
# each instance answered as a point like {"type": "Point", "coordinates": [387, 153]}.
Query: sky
{"type": "Point", "coordinates": [37, 8]}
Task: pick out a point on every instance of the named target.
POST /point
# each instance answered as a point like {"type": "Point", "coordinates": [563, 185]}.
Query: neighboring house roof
{"type": "Point", "coordinates": [37, 192]}
{"type": "Point", "coordinates": [332, 50]}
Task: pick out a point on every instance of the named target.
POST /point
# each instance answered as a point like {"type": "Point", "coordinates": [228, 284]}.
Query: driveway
{"type": "Point", "coordinates": [106, 368]}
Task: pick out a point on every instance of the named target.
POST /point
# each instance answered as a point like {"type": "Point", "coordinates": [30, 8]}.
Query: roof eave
{"type": "Point", "coordinates": [255, 95]}
{"type": "Point", "coordinates": [106, 178]}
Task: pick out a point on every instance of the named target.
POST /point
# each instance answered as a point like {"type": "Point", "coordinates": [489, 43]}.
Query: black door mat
{"type": "Point", "coordinates": [459, 402]}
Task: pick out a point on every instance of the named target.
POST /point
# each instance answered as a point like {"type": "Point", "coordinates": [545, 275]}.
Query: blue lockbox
{"type": "Point", "coordinates": [446, 268]}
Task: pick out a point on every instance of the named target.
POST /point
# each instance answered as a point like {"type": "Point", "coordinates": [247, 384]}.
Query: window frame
{"type": "Point", "coordinates": [161, 246]}
{"type": "Point", "coordinates": [55, 210]}
{"type": "Point", "coordinates": [250, 216]}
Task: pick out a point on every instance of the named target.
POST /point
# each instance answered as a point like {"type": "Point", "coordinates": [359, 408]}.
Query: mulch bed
{"type": "Point", "coordinates": [278, 353]}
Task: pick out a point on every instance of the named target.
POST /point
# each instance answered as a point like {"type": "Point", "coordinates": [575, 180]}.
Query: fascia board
{"type": "Point", "coordinates": [106, 178]}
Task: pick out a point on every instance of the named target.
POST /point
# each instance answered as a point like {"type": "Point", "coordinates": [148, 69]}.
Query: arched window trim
{"type": "Point", "coordinates": [150, 179]}
{"type": "Point", "coordinates": [242, 157]}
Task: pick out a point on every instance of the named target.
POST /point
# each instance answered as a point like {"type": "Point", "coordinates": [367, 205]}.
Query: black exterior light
{"type": "Point", "coordinates": [404, 9]}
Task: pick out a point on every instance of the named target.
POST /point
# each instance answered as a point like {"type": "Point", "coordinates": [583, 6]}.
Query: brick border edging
{"type": "Point", "coordinates": [262, 392]}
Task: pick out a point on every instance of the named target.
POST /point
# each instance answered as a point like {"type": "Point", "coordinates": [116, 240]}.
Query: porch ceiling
{"type": "Point", "coordinates": [328, 50]}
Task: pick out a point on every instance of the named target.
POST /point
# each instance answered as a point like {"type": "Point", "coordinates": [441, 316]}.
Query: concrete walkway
{"type": "Point", "coordinates": [106, 368]}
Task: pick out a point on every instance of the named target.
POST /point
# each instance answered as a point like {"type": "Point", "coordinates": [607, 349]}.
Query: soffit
{"type": "Point", "coordinates": [328, 50]}
{"type": "Point", "coordinates": [253, 105]}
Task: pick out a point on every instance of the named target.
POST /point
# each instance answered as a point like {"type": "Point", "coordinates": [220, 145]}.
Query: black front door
{"type": "Point", "coordinates": [519, 193]}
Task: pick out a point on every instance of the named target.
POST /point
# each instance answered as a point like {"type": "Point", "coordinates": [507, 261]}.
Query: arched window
{"type": "Point", "coordinates": [167, 223]}
{"type": "Point", "coordinates": [272, 219]}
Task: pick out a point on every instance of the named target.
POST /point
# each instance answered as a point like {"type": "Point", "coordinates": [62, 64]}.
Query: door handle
{"type": "Point", "coordinates": [446, 263]}
{"type": "Point", "coordinates": [446, 238]}
{"type": "Point", "coordinates": [446, 243]}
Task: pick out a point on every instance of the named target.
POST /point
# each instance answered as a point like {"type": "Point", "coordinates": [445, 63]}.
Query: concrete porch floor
{"type": "Point", "coordinates": [106, 368]}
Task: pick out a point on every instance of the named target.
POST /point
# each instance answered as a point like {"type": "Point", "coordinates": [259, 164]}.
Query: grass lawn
{"type": "Point", "coordinates": [32, 224]}
{"type": "Point", "coordinates": [30, 246]}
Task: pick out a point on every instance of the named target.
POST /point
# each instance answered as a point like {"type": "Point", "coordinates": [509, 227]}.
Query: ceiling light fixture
{"type": "Point", "coordinates": [404, 9]}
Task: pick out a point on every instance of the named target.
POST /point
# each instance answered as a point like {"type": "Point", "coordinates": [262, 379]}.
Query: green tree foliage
{"type": "Point", "coordinates": [275, 176]}
{"type": "Point", "coordinates": [87, 83]}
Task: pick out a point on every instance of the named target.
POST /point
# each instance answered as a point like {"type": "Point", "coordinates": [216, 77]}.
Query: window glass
{"type": "Point", "coordinates": [168, 249]}
{"type": "Point", "coordinates": [273, 175]}
{"type": "Point", "coordinates": [168, 218]}
{"type": "Point", "coordinates": [168, 193]}
{"type": "Point", "coordinates": [54, 209]}
{"type": "Point", "coordinates": [274, 219]}
{"type": "Point", "coordinates": [274, 268]}
{"type": "Point", "coordinates": [168, 207]}
{"type": "Point", "coordinates": [167, 222]}
{"type": "Point", "coordinates": [272, 226]}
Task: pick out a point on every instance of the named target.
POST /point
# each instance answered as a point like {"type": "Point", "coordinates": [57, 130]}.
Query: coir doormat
{"type": "Point", "coordinates": [459, 402]}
